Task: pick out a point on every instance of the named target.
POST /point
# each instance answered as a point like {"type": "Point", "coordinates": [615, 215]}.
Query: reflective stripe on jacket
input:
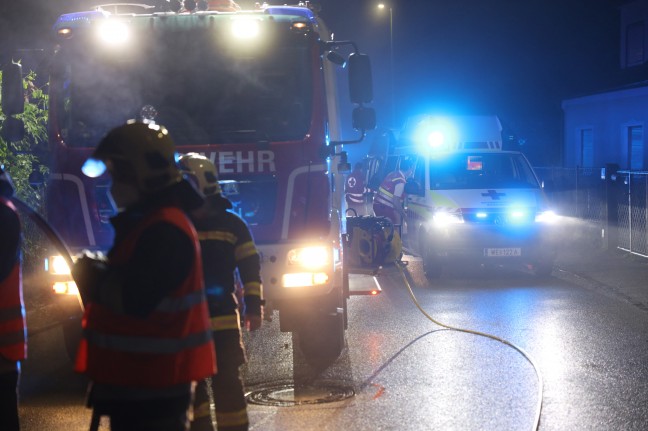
{"type": "Point", "coordinates": [387, 188]}
{"type": "Point", "coordinates": [13, 326]}
{"type": "Point", "coordinates": [172, 345]}
{"type": "Point", "coordinates": [227, 247]}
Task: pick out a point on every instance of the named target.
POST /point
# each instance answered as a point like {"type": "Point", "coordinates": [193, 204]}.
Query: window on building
{"type": "Point", "coordinates": [587, 148]}
{"type": "Point", "coordinates": [635, 44]}
{"type": "Point", "coordinates": [635, 148]}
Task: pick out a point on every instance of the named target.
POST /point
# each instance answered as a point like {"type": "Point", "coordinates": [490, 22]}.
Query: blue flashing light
{"type": "Point", "coordinates": [292, 10]}
{"type": "Point", "coordinates": [436, 139]}
{"type": "Point", "coordinates": [436, 134]}
{"type": "Point", "coordinates": [93, 168]}
{"type": "Point", "coordinates": [481, 215]}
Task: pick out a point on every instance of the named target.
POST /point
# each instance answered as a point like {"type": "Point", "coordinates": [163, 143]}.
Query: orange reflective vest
{"type": "Point", "coordinates": [387, 188]}
{"type": "Point", "coordinates": [13, 326]}
{"type": "Point", "coordinates": [172, 345]}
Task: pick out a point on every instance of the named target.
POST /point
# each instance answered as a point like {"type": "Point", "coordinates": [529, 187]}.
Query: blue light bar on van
{"type": "Point", "coordinates": [93, 168]}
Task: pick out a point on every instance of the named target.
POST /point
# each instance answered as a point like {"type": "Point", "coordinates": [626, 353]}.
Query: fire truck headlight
{"type": "Point", "coordinates": [443, 218]}
{"type": "Point", "coordinates": [304, 279]}
{"type": "Point", "coordinates": [315, 257]}
{"type": "Point", "coordinates": [245, 28]}
{"type": "Point", "coordinates": [58, 266]}
{"type": "Point", "coordinates": [548, 216]}
{"type": "Point", "coordinates": [114, 33]}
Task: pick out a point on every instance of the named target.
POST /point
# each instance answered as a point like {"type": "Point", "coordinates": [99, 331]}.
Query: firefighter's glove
{"type": "Point", "coordinates": [253, 321]}
{"type": "Point", "coordinates": [87, 272]}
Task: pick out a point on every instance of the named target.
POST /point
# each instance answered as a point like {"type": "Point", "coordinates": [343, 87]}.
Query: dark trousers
{"type": "Point", "coordinates": [9, 401]}
{"type": "Point", "coordinates": [226, 388]}
{"type": "Point", "coordinates": [146, 415]}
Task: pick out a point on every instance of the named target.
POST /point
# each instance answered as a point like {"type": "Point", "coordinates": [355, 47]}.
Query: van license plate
{"type": "Point", "coordinates": [503, 252]}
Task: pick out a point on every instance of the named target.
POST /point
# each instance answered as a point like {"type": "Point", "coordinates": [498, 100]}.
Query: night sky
{"type": "Point", "coordinates": [516, 59]}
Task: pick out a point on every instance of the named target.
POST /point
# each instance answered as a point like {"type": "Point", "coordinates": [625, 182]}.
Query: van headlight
{"type": "Point", "coordinates": [548, 217]}
{"type": "Point", "coordinates": [444, 218]}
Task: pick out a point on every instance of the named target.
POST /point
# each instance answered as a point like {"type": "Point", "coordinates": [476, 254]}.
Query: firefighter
{"type": "Point", "coordinates": [228, 252]}
{"type": "Point", "coordinates": [355, 191]}
{"type": "Point", "coordinates": [146, 337]}
{"type": "Point", "coordinates": [389, 200]}
{"type": "Point", "coordinates": [13, 328]}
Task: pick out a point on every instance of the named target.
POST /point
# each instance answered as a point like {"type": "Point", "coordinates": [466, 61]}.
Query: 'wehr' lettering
{"type": "Point", "coordinates": [243, 162]}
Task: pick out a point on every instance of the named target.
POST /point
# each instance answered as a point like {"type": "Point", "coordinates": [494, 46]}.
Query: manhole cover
{"type": "Point", "coordinates": [286, 395]}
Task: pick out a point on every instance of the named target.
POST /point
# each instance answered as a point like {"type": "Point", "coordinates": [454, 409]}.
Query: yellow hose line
{"type": "Point", "coordinates": [536, 422]}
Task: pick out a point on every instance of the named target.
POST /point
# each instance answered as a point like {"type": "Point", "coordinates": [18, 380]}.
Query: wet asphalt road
{"type": "Point", "coordinates": [402, 372]}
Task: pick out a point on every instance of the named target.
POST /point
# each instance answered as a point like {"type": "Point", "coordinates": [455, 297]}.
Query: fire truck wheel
{"type": "Point", "coordinates": [72, 336]}
{"type": "Point", "coordinates": [322, 340]}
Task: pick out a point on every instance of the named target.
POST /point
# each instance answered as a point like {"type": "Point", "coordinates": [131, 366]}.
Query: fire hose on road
{"type": "Point", "coordinates": [536, 422]}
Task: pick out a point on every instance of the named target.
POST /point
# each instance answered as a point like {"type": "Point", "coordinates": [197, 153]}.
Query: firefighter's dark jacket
{"type": "Point", "coordinates": [227, 236]}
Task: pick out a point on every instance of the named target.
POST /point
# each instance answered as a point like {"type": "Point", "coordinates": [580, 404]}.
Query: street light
{"type": "Point", "coordinates": [383, 6]}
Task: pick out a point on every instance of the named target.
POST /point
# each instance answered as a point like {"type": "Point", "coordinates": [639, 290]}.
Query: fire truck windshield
{"type": "Point", "coordinates": [201, 89]}
{"type": "Point", "coordinates": [481, 171]}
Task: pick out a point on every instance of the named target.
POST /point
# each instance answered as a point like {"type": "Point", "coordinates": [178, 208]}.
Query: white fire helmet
{"type": "Point", "coordinates": [200, 172]}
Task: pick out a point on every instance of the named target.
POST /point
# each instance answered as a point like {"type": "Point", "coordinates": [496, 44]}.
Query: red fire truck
{"type": "Point", "coordinates": [256, 92]}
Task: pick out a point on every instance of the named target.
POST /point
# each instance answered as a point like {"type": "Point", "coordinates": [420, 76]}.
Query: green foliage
{"type": "Point", "coordinates": [20, 158]}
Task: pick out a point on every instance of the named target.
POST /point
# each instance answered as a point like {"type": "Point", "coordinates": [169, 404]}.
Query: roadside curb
{"type": "Point", "coordinates": [628, 284]}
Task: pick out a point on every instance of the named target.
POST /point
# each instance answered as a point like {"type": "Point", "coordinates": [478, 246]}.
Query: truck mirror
{"type": "Point", "coordinates": [336, 58]}
{"type": "Point", "coordinates": [13, 129]}
{"type": "Point", "coordinates": [364, 118]}
{"type": "Point", "coordinates": [360, 81]}
{"type": "Point", "coordinates": [13, 97]}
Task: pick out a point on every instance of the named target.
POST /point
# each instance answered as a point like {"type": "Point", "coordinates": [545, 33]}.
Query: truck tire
{"type": "Point", "coordinates": [321, 338]}
{"type": "Point", "coordinates": [322, 341]}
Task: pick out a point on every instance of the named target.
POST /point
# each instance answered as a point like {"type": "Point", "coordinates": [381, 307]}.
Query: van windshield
{"type": "Point", "coordinates": [481, 171]}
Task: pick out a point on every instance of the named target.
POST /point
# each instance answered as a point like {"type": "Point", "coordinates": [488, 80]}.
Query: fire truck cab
{"type": "Point", "coordinates": [471, 201]}
{"type": "Point", "coordinates": [256, 92]}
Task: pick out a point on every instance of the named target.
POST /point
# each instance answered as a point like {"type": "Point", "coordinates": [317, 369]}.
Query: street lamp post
{"type": "Point", "coordinates": [383, 6]}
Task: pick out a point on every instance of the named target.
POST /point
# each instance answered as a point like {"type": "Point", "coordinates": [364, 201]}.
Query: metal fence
{"type": "Point", "coordinates": [613, 211]}
{"type": "Point", "coordinates": [632, 200]}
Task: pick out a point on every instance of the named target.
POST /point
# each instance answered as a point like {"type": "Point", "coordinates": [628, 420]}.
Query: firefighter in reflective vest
{"type": "Point", "coordinates": [13, 328]}
{"type": "Point", "coordinates": [389, 200]}
{"type": "Point", "coordinates": [355, 191]}
{"type": "Point", "coordinates": [146, 333]}
{"type": "Point", "coordinates": [227, 249]}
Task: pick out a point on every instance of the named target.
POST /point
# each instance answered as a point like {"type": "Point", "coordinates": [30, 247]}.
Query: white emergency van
{"type": "Point", "coordinates": [469, 201]}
